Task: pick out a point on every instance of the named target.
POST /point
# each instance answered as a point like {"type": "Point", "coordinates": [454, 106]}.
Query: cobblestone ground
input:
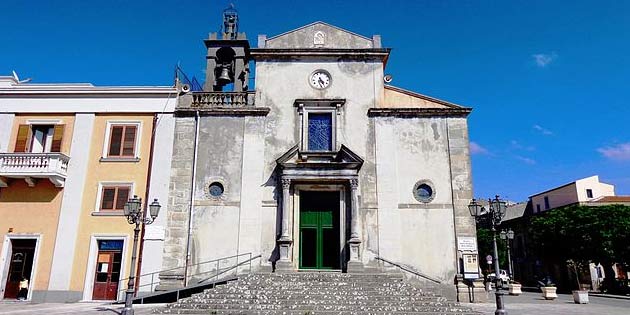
{"type": "Point", "coordinates": [528, 303]}
{"type": "Point", "coordinates": [533, 303]}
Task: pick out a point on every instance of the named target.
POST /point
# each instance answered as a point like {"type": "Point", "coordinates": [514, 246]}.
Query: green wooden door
{"type": "Point", "coordinates": [319, 230]}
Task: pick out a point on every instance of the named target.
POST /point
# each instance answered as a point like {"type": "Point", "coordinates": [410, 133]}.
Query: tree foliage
{"type": "Point", "coordinates": [582, 234]}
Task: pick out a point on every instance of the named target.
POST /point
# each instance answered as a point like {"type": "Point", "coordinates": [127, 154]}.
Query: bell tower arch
{"type": "Point", "coordinates": [228, 56]}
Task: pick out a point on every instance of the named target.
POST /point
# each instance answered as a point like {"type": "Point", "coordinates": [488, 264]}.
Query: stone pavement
{"type": "Point", "coordinates": [528, 303]}
{"type": "Point", "coordinates": [88, 308]}
{"type": "Point", "coordinates": [533, 303]}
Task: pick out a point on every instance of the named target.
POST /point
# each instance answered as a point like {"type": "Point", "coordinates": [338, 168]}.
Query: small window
{"type": "Point", "coordinates": [320, 132]}
{"type": "Point", "coordinates": [538, 208]}
{"type": "Point", "coordinates": [39, 138]}
{"type": "Point", "coordinates": [589, 193]}
{"type": "Point", "coordinates": [122, 141]}
{"type": "Point", "coordinates": [216, 189]}
{"type": "Point", "coordinates": [423, 192]}
{"type": "Point", "coordinates": [113, 198]}
{"type": "Point", "coordinates": [546, 203]}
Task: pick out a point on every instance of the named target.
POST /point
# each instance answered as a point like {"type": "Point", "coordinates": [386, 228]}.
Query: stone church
{"type": "Point", "coordinates": [320, 165]}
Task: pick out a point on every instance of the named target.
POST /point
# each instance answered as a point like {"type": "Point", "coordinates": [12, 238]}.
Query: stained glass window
{"type": "Point", "coordinates": [320, 132]}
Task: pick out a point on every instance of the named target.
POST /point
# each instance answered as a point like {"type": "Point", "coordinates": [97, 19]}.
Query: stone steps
{"type": "Point", "coordinates": [316, 293]}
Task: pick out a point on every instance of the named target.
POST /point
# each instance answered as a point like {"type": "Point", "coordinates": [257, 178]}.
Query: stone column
{"type": "Point", "coordinates": [285, 241]}
{"type": "Point", "coordinates": [355, 264]}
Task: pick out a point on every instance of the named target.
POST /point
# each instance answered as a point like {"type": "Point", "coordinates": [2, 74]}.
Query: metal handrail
{"type": "Point", "coordinates": [154, 282]}
{"type": "Point", "coordinates": [216, 276]}
{"type": "Point", "coordinates": [409, 269]}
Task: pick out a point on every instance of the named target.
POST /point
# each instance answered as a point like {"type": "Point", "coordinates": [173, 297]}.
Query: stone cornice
{"type": "Point", "coordinates": [419, 112]}
{"type": "Point", "coordinates": [279, 53]}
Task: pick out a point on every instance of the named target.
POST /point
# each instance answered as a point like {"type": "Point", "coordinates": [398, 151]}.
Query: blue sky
{"type": "Point", "coordinates": [548, 80]}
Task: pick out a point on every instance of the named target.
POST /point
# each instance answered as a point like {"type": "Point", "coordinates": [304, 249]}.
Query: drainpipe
{"type": "Point", "coordinates": [192, 199]}
{"type": "Point", "coordinates": [146, 204]}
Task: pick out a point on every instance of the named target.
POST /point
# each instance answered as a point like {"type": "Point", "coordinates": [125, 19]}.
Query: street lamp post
{"type": "Point", "coordinates": [508, 236]}
{"type": "Point", "coordinates": [496, 211]}
{"type": "Point", "coordinates": [135, 215]}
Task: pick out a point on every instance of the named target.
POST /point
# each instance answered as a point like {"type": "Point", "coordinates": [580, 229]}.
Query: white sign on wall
{"type": "Point", "coordinates": [467, 244]}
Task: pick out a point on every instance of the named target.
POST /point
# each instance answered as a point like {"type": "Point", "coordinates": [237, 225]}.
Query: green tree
{"type": "Point", "coordinates": [582, 234]}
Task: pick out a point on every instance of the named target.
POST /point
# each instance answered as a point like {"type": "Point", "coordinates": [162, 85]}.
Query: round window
{"type": "Point", "coordinates": [216, 189]}
{"type": "Point", "coordinates": [423, 192]}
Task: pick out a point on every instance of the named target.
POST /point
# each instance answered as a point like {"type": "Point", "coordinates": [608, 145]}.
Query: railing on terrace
{"type": "Point", "coordinates": [222, 99]}
{"type": "Point", "coordinates": [34, 164]}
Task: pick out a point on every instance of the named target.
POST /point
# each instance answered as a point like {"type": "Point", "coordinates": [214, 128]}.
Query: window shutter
{"type": "Point", "coordinates": [21, 142]}
{"type": "Point", "coordinates": [115, 140]}
{"type": "Point", "coordinates": [57, 138]}
{"type": "Point", "coordinates": [129, 141]}
{"type": "Point", "coordinates": [107, 202]}
{"type": "Point", "coordinates": [122, 197]}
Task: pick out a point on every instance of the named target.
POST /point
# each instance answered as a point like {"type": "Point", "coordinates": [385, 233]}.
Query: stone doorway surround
{"type": "Point", "coordinates": [302, 168]}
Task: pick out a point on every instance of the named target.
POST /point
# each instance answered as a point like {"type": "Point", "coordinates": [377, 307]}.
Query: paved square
{"type": "Point", "coordinates": [533, 303]}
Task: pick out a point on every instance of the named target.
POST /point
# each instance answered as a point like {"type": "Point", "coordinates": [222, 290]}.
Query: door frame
{"type": "Point", "coordinates": [88, 285]}
{"type": "Point", "coordinates": [4, 262]}
{"type": "Point", "coordinates": [297, 188]}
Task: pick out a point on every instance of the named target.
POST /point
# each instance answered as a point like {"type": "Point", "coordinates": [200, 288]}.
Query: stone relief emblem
{"type": "Point", "coordinates": [319, 39]}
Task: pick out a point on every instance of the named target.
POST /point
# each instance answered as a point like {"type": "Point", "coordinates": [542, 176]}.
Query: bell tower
{"type": "Point", "coordinates": [228, 56]}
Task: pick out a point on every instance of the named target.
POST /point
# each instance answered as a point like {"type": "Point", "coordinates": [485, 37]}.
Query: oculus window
{"type": "Point", "coordinates": [423, 191]}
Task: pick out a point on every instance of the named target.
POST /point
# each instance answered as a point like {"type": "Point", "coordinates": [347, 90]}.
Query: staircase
{"type": "Point", "coordinates": [316, 293]}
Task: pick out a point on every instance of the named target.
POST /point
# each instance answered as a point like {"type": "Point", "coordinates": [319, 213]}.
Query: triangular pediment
{"type": "Point", "coordinates": [395, 97]}
{"type": "Point", "coordinates": [344, 158]}
{"type": "Point", "coordinates": [319, 35]}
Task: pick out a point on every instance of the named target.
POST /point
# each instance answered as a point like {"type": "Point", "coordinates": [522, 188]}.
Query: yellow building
{"type": "Point", "coordinates": [71, 155]}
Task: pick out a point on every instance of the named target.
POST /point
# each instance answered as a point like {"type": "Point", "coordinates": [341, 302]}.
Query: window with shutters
{"type": "Point", "coordinates": [113, 196]}
{"type": "Point", "coordinates": [121, 141]}
{"type": "Point", "coordinates": [39, 138]}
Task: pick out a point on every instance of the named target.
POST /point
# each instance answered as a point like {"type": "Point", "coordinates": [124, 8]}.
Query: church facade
{"type": "Point", "coordinates": [321, 166]}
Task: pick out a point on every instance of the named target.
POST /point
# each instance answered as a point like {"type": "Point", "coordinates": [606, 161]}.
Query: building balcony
{"type": "Point", "coordinates": [33, 166]}
{"type": "Point", "coordinates": [222, 99]}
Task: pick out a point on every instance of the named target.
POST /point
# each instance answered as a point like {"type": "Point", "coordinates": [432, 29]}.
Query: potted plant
{"type": "Point", "coordinates": [514, 288]}
{"type": "Point", "coordinates": [548, 289]}
{"type": "Point", "coordinates": [580, 296]}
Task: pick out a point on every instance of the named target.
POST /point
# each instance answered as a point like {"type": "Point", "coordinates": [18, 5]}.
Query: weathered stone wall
{"type": "Point", "coordinates": [176, 233]}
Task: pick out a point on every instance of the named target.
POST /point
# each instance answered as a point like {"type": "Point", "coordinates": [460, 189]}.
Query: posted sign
{"type": "Point", "coordinates": [466, 244]}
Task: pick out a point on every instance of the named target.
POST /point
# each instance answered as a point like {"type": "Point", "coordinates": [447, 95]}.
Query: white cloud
{"type": "Point", "coordinates": [518, 146]}
{"type": "Point", "coordinates": [543, 60]}
{"type": "Point", "coordinates": [475, 148]}
{"type": "Point", "coordinates": [543, 130]}
{"type": "Point", "coordinates": [526, 160]}
{"type": "Point", "coordinates": [620, 152]}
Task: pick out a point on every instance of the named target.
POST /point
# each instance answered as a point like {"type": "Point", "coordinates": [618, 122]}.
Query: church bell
{"type": "Point", "coordinates": [224, 77]}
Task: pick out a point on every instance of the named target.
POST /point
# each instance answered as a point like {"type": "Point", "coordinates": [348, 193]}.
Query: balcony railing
{"type": "Point", "coordinates": [28, 166]}
{"type": "Point", "coordinates": [222, 99]}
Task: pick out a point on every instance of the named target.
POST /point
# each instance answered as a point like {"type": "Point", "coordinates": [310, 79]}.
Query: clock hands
{"type": "Point", "coordinates": [321, 82]}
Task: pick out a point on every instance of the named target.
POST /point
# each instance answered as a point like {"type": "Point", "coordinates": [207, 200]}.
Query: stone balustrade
{"type": "Point", "coordinates": [53, 166]}
{"type": "Point", "coordinates": [221, 99]}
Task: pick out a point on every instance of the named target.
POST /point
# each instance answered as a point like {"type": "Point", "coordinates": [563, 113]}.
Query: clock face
{"type": "Point", "coordinates": [320, 79]}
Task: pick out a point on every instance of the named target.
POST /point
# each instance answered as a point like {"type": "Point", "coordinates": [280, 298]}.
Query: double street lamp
{"type": "Point", "coordinates": [135, 215]}
{"type": "Point", "coordinates": [508, 236]}
{"type": "Point", "coordinates": [495, 213]}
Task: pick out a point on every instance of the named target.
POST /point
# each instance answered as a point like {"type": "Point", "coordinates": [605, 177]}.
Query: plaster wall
{"type": "Point", "coordinates": [94, 223]}
{"type": "Point", "coordinates": [6, 125]}
{"type": "Point", "coordinates": [88, 104]}
{"type": "Point", "coordinates": [558, 197]}
{"type": "Point", "coordinates": [418, 234]}
{"type": "Point", "coordinates": [599, 189]}
{"type": "Point", "coordinates": [280, 83]}
{"type": "Point", "coordinates": [159, 186]}
{"type": "Point", "coordinates": [31, 211]}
